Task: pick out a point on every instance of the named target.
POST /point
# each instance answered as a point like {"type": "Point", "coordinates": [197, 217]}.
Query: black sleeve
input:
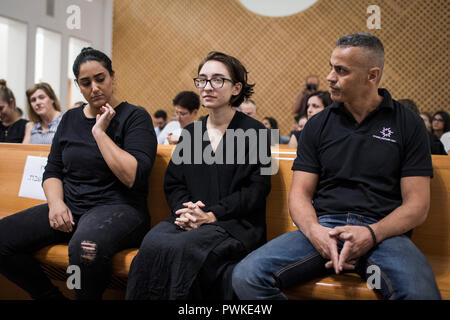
{"type": "Point", "coordinates": [140, 142]}
{"type": "Point", "coordinates": [417, 157]}
{"type": "Point", "coordinates": [255, 187]}
{"type": "Point", "coordinates": [175, 184]}
{"type": "Point", "coordinates": [175, 187]}
{"type": "Point", "coordinates": [307, 157]}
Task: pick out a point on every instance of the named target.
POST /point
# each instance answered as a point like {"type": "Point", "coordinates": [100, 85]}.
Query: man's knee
{"type": "Point", "coordinates": [246, 273]}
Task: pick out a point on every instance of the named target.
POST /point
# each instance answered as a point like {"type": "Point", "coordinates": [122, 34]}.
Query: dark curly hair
{"type": "Point", "coordinates": [237, 72]}
{"type": "Point", "coordinates": [188, 100]}
{"type": "Point", "coordinates": [90, 54]}
{"type": "Point", "coordinates": [324, 96]}
{"type": "Point", "coordinates": [446, 119]}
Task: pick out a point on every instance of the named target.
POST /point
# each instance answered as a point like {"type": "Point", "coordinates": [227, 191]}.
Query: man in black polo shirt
{"type": "Point", "coordinates": [361, 181]}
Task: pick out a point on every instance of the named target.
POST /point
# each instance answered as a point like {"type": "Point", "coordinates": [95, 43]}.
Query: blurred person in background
{"type": "Point", "coordinates": [316, 103]}
{"type": "Point", "coordinates": [44, 111]}
{"type": "Point", "coordinates": [300, 101]}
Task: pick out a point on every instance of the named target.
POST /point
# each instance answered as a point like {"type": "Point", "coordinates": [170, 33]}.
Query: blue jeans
{"type": "Point", "coordinates": [291, 259]}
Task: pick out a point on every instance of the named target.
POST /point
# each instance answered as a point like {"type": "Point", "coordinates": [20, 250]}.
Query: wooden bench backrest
{"type": "Point", "coordinates": [156, 199]}
{"type": "Point", "coordinates": [433, 237]}
{"type": "Point", "coordinates": [12, 162]}
{"type": "Point", "coordinates": [277, 211]}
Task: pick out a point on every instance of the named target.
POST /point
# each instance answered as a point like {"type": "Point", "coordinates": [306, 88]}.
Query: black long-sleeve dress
{"type": "Point", "coordinates": [233, 184]}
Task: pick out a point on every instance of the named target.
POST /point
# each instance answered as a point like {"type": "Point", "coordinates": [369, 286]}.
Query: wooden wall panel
{"type": "Point", "coordinates": [158, 44]}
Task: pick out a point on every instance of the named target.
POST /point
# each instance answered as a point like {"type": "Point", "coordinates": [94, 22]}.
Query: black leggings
{"type": "Point", "coordinates": [98, 234]}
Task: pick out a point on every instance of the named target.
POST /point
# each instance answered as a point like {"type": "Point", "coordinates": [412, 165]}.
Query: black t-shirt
{"type": "Point", "coordinates": [13, 133]}
{"type": "Point", "coordinates": [233, 187]}
{"type": "Point", "coordinates": [360, 165]}
{"type": "Point", "coordinates": [297, 135]}
{"type": "Point", "coordinates": [76, 160]}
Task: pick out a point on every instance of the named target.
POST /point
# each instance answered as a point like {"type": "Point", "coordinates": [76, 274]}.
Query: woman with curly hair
{"type": "Point", "coordinates": [218, 207]}
{"type": "Point", "coordinates": [440, 123]}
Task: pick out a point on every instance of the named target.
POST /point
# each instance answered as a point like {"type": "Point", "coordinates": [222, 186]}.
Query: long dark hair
{"type": "Point", "coordinates": [445, 116]}
{"type": "Point", "coordinates": [324, 96]}
{"type": "Point", "coordinates": [90, 54]}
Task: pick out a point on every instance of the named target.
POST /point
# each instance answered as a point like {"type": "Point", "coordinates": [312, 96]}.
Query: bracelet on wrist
{"type": "Point", "coordinates": [374, 238]}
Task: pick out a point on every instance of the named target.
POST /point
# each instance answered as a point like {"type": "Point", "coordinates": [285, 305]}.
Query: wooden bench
{"type": "Point", "coordinates": [432, 237]}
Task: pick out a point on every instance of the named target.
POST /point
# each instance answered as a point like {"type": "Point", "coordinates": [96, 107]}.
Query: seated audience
{"type": "Point", "coordinates": [295, 135]}
{"type": "Point", "coordinates": [436, 146]}
{"type": "Point", "coordinates": [300, 101]}
{"type": "Point", "coordinates": [44, 112]}
{"type": "Point", "coordinates": [445, 139]}
{"type": "Point", "coordinates": [160, 120]}
{"type": "Point", "coordinates": [218, 210]}
{"type": "Point", "coordinates": [169, 128]}
{"type": "Point", "coordinates": [426, 116]}
{"type": "Point", "coordinates": [186, 105]}
{"type": "Point", "coordinates": [271, 123]}
{"type": "Point", "coordinates": [361, 182]}
{"type": "Point", "coordinates": [96, 184]}
{"type": "Point", "coordinates": [77, 104]}
{"type": "Point", "coordinates": [316, 103]}
{"type": "Point", "coordinates": [12, 127]}
{"type": "Point", "coordinates": [440, 123]}
{"type": "Point", "coordinates": [249, 108]}
{"type": "Point", "coordinates": [302, 122]}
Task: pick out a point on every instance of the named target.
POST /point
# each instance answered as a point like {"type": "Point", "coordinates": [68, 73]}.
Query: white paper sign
{"type": "Point", "coordinates": [31, 186]}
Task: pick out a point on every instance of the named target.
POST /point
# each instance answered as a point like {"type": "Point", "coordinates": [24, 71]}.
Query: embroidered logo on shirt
{"type": "Point", "coordinates": [386, 134]}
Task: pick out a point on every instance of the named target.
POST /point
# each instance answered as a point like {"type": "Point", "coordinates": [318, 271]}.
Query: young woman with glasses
{"type": "Point", "coordinates": [218, 208]}
{"type": "Point", "coordinates": [440, 123]}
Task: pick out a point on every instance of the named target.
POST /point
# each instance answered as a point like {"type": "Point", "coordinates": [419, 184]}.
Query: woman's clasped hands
{"type": "Point", "coordinates": [192, 216]}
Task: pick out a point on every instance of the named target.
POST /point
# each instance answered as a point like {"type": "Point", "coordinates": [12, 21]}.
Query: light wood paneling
{"type": "Point", "coordinates": [157, 46]}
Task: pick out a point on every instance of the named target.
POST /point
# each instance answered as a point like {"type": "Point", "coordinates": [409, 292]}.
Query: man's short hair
{"type": "Point", "coordinates": [367, 41]}
{"type": "Point", "coordinates": [188, 100]}
{"type": "Point", "coordinates": [160, 114]}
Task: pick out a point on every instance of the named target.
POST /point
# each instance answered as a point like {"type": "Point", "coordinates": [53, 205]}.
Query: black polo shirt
{"type": "Point", "coordinates": [360, 165]}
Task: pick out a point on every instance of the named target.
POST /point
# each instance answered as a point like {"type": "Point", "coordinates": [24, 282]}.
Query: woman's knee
{"type": "Point", "coordinates": [87, 252]}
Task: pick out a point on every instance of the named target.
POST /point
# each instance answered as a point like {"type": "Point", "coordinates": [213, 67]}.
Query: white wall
{"type": "Point", "coordinates": [95, 27]}
{"type": "Point", "coordinates": [277, 8]}
{"type": "Point", "coordinates": [13, 57]}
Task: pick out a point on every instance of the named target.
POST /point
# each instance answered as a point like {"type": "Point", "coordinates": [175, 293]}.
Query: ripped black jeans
{"type": "Point", "coordinates": [98, 234]}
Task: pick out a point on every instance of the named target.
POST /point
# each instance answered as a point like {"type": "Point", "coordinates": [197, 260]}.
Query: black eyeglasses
{"type": "Point", "coordinates": [438, 119]}
{"type": "Point", "coordinates": [216, 83]}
